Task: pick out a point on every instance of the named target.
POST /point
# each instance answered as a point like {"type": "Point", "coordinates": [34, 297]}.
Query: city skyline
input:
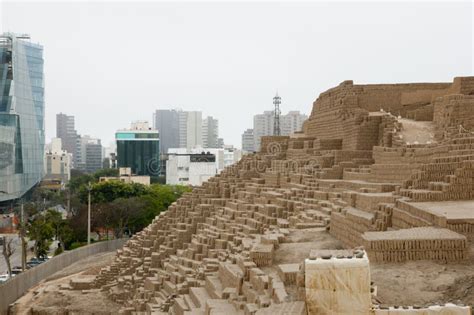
{"type": "Point", "coordinates": [284, 46]}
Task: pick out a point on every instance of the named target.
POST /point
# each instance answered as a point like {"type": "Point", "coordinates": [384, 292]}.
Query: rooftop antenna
{"type": "Point", "coordinates": [277, 112]}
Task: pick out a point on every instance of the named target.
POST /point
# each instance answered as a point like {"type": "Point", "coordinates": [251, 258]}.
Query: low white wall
{"type": "Point", "coordinates": [13, 289]}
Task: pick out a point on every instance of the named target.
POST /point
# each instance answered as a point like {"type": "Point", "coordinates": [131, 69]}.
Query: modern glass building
{"type": "Point", "coordinates": [21, 115]}
{"type": "Point", "coordinates": [139, 149]}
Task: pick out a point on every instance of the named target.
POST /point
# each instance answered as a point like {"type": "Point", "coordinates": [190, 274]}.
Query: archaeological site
{"type": "Point", "coordinates": [368, 210]}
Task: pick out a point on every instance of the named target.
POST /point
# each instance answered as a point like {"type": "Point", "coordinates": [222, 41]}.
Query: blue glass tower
{"type": "Point", "coordinates": [21, 115]}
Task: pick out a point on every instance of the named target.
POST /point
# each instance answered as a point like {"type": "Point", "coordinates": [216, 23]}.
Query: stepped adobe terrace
{"type": "Point", "coordinates": [389, 167]}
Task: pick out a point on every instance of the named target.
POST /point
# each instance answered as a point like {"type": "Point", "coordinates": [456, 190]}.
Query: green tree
{"type": "Point", "coordinates": [149, 208]}
{"type": "Point", "coordinates": [167, 194]}
{"type": "Point", "coordinates": [62, 232]}
{"type": "Point", "coordinates": [42, 232]}
{"type": "Point", "coordinates": [123, 211]}
{"type": "Point", "coordinates": [79, 180]}
{"type": "Point", "coordinates": [112, 190]}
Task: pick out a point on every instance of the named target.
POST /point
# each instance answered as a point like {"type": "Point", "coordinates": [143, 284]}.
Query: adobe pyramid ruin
{"type": "Point", "coordinates": [387, 169]}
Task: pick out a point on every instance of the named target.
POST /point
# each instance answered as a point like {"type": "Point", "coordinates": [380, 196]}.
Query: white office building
{"type": "Point", "coordinates": [196, 165]}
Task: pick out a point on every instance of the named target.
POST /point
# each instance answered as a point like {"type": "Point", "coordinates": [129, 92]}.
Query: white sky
{"type": "Point", "coordinates": [113, 62]}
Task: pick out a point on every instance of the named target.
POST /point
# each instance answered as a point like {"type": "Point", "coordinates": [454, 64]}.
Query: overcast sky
{"type": "Point", "coordinates": [110, 63]}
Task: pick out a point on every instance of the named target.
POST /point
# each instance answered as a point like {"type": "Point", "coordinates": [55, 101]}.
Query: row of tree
{"type": "Point", "coordinates": [117, 208]}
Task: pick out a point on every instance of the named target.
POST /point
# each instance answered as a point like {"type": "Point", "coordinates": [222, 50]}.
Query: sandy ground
{"type": "Point", "coordinates": [301, 242]}
{"type": "Point", "coordinates": [411, 283]}
{"type": "Point", "coordinates": [425, 282]}
{"type": "Point", "coordinates": [417, 131]}
{"type": "Point", "coordinates": [46, 296]}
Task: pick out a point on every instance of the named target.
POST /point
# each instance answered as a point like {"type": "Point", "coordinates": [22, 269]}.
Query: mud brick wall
{"type": "Point", "coordinates": [356, 174]}
{"type": "Point", "coordinates": [458, 186]}
{"type": "Point", "coordinates": [392, 173]}
{"type": "Point", "coordinates": [274, 144]}
{"type": "Point", "coordinates": [370, 202]}
{"type": "Point", "coordinates": [288, 273]}
{"type": "Point", "coordinates": [398, 98]}
{"type": "Point", "coordinates": [422, 243]}
{"type": "Point", "coordinates": [231, 276]}
{"type": "Point", "coordinates": [262, 254]}
{"type": "Point", "coordinates": [345, 230]}
{"type": "Point", "coordinates": [452, 111]}
{"type": "Point", "coordinates": [464, 228]}
{"type": "Point", "coordinates": [335, 107]}
{"type": "Point", "coordinates": [424, 113]}
{"type": "Point", "coordinates": [362, 156]}
{"type": "Point", "coordinates": [463, 85]}
{"type": "Point", "coordinates": [327, 144]}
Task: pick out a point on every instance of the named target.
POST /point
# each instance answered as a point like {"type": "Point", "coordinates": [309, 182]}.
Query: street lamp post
{"type": "Point", "coordinates": [89, 188]}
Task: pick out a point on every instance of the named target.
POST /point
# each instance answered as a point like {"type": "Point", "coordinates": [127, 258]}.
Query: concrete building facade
{"type": "Point", "coordinates": [126, 176]}
{"type": "Point", "coordinates": [210, 132]}
{"type": "Point", "coordinates": [196, 165]}
{"type": "Point", "coordinates": [292, 122]}
{"type": "Point", "coordinates": [88, 154]}
{"type": "Point", "coordinates": [190, 168]}
{"type": "Point", "coordinates": [193, 129]}
{"type": "Point", "coordinates": [248, 141]}
{"type": "Point", "coordinates": [57, 163]}
{"type": "Point", "coordinates": [65, 130]}
{"type": "Point", "coordinates": [94, 156]}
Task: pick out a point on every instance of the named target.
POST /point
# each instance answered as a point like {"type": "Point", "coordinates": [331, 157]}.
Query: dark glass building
{"type": "Point", "coordinates": [21, 115]}
{"type": "Point", "coordinates": [139, 149]}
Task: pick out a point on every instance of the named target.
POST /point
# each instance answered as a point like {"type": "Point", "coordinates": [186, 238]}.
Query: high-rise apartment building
{"type": "Point", "coordinates": [263, 125]}
{"type": "Point", "coordinates": [88, 154]}
{"type": "Point", "coordinates": [185, 129]}
{"type": "Point", "coordinates": [292, 122]}
{"type": "Point", "coordinates": [193, 129]}
{"type": "Point", "coordinates": [139, 149]}
{"type": "Point", "coordinates": [22, 133]}
{"type": "Point", "coordinates": [210, 132]}
{"type": "Point", "coordinates": [94, 155]}
{"type": "Point", "coordinates": [66, 131]}
{"type": "Point", "coordinates": [166, 121]}
{"type": "Point", "coordinates": [182, 129]}
{"type": "Point", "coordinates": [248, 141]}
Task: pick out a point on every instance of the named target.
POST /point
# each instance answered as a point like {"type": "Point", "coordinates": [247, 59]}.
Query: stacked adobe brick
{"type": "Point", "coordinates": [211, 250]}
